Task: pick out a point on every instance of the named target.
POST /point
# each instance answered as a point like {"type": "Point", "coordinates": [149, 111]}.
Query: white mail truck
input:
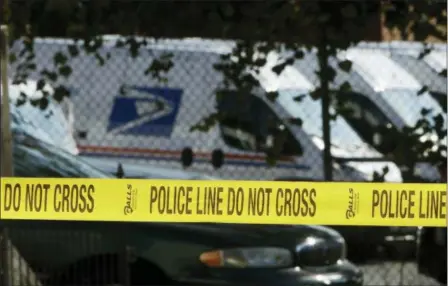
{"type": "Point", "coordinates": [382, 94]}
{"type": "Point", "coordinates": [121, 112]}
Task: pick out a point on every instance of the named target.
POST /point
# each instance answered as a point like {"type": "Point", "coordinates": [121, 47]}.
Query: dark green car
{"type": "Point", "coordinates": [97, 253]}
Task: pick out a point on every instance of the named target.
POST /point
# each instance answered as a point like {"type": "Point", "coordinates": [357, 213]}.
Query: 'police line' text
{"type": "Point", "coordinates": [232, 201]}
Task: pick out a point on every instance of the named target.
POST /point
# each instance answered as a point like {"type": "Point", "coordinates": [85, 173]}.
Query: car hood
{"type": "Point", "coordinates": [240, 235]}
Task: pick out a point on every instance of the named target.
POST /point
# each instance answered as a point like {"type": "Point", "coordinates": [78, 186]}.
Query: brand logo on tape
{"type": "Point", "coordinates": [353, 204]}
{"type": "Point", "coordinates": [131, 200]}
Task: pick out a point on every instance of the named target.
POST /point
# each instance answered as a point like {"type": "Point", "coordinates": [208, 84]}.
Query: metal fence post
{"type": "Point", "coordinates": [14, 269]}
{"type": "Point", "coordinates": [325, 93]}
{"type": "Point", "coordinates": [6, 170]}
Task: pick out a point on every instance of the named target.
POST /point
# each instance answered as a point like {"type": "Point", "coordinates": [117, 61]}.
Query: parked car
{"type": "Point", "coordinates": [89, 253]}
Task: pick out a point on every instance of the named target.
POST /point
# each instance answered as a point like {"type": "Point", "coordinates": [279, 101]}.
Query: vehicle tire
{"type": "Point", "coordinates": [217, 158]}
{"type": "Point", "coordinates": [187, 157]}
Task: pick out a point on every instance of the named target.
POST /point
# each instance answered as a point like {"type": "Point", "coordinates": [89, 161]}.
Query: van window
{"type": "Point", "coordinates": [364, 116]}
{"type": "Point", "coordinates": [440, 98]}
{"type": "Point", "coordinates": [35, 158]}
{"type": "Point", "coordinates": [408, 104]}
{"type": "Point", "coordinates": [250, 124]}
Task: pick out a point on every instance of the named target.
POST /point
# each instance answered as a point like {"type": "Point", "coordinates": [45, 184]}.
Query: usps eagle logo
{"type": "Point", "coordinates": [145, 111]}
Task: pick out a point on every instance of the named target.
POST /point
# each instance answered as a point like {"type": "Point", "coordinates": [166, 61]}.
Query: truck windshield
{"type": "Point", "coordinates": [408, 104]}
{"type": "Point", "coordinates": [35, 158]}
{"type": "Point", "coordinates": [310, 111]}
{"type": "Point", "coordinates": [441, 99]}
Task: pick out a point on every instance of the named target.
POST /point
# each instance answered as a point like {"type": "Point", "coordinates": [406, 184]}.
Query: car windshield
{"type": "Point", "coordinates": [36, 158]}
{"type": "Point", "coordinates": [406, 103]}
{"type": "Point", "coordinates": [342, 135]}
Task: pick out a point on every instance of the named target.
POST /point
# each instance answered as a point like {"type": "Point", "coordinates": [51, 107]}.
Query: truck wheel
{"type": "Point", "coordinates": [217, 158]}
{"type": "Point", "coordinates": [187, 157]}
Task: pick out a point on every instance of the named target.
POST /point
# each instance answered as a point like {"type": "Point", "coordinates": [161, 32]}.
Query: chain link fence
{"type": "Point", "coordinates": [202, 109]}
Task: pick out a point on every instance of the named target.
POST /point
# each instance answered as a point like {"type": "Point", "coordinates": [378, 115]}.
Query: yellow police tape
{"type": "Point", "coordinates": [259, 202]}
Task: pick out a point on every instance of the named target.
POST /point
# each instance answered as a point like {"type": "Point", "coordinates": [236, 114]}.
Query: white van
{"type": "Point", "coordinates": [45, 126]}
{"type": "Point", "coordinates": [385, 93]}
{"type": "Point", "coordinates": [126, 114]}
{"type": "Point", "coordinates": [426, 70]}
{"type": "Point", "coordinates": [50, 125]}
{"type": "Point", "coordinates": [345, 141]}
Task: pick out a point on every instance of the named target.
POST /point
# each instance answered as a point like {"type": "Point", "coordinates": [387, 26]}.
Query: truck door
{"type": "Point", "coordinates": [247, 123]}
{"type": "Point", "coordinates": [367, 119]}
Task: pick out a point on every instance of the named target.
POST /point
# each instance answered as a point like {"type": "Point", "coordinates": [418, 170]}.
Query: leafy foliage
{"type": "Point", "coordinates": [261, 27]}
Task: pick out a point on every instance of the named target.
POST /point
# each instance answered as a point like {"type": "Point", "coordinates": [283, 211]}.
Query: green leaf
{"type": "Point", "coordinates": [22, 99]}
{"type": "Point", "coordinates": [296, 121]}
{"type": "Point", "coordinates": [40, 84]}
{"type": "Point", "coordinates": [424, 53]}
{"type": "Point", "coordinates": [122, 90]}
{"type": "Point", "coordinates": [323, 18]}
{"type": "Point", "coordinates": [345, 65]}
{"type": "Point", "coordinates": [31, 66]}
{"type": "Point", "coordinates": [228, 9]}
{"type": "Point", "coordinates": [279, 68]}
{"type": "Point", "coordinates": [30, 57]}
{"type": "Point", "coordinates": [73, 50]}
{"type": "Point", "coordinates": [134, 47]}
{"type": "Point", "coordinates": [316, 94]}
{"type": "Point", "coordinates": [272, 96]}
{"type": "Point", "coordinates": [299, 98]}
{"type": "Point", "coordinates": [43, 103]}
{"type": "Point", "coordinates": [299, 54]}
{"type": "Point", "coordinates": [119, 44]}
{"type": "Point", "coordinates": [100, 59]}
{"type": "Point", "coordinates": [423, 90]}
{"type": "Point", "coordinates": [59, 58]}
{"type": "Point", "coordinates": [425, 111]}
{"type": "Point", "coordinates": [345, 87]}
{"type": "Point", "coordinates": [52, 76]}
{"type": "Point", "coordinates": [439, 121]}
{"type": "Point", "coordinates": [35, 102]}
{"type": "Point", "coordinates": [12, 58]}
{"type": "Point", "coordinates": [65, 70]}
{"type": "Point", "coordinates": [260, 62]}
{"type": "Point", "coordinates": [60, 92]}
{"type": "Point", "coordinates": [206, 123]}
{"type": "Point", "coordinates": [349, 11]}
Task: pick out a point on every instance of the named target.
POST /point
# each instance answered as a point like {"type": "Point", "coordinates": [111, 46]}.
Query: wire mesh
{"type": "Point", "coordinates": [166, 112]}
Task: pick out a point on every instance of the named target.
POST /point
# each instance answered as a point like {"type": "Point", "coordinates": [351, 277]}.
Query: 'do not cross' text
{"type": "Point", "coordinates": [59, 198]}
{"type": "Point", "coordinates": [237, 201]}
